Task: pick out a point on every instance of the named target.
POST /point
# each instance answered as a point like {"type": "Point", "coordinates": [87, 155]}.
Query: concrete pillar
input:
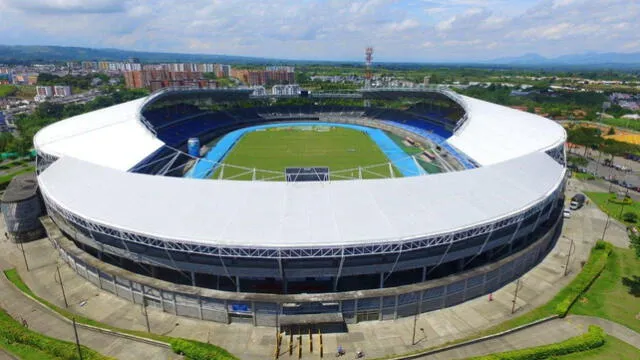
{"type": "Point", "coordinates": [395, 309]}
{"type": "Point", "coordinates": [175, 305]}
{"type": "Point", "coordinates": [285, 286]}
{"type": "Point", "coordinates": [254, 313]}
{"type": "Point", "coordinates": [133, 300]}
{"type": "Point", "coordinates": [424, 273]}
{"type": "Point", "coordinates": [154, 271]}
{"type": "Point", "coordinates": [237, 283]}
{"type": "Point", "coordinates": [381, 280]}
{"type": "Point", "coordinates": [355, 311]}
{"type": "Point", "coordinates": [199, 307]}
{"type": "Point", "coordinates": [193, 278]}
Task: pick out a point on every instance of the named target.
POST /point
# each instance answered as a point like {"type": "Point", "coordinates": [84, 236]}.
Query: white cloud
{"type": "Point", "coordinates": [329, 29]}
{"type": "Point", "coordinates": [407, 24]}
{"type": "Point", "coordinates": [67, 6]}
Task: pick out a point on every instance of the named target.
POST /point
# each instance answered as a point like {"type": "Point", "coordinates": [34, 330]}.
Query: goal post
{"type": "Point", "coordinates": [296, 174]}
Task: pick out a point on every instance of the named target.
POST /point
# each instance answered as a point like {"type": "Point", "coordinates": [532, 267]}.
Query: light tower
{"type": "Point", "coordinates": [368, 59]}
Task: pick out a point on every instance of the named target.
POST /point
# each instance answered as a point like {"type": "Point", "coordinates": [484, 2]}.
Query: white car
{"type": "Point", "coordinates": [566, 213]}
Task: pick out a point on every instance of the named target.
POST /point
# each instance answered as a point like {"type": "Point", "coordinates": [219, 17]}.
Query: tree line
{"type": "Point", "coordinates": [48, 113]}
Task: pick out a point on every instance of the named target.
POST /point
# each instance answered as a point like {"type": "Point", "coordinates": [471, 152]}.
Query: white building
{"type": "Point", "coordinates": [277, 90]}
{"type": "Point", "coordinates": [293, 89]}
{"type": "Point", "coordinates": [43, 93]}
{"type": "Point", "coordinates": [259, 91]}
{"type": "Point", "coordinates": [61, 91]}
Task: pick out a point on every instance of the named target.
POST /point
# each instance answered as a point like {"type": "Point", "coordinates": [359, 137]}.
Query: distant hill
{"type": "Point", "coordinates": [13, 54]}
{"type": "Point", "coordinates": [593, 59]}
{"type": "Point", "coordinates": [22, 54]}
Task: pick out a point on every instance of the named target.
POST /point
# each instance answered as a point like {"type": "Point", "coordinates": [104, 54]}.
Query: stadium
{"type": "Point", "coordinates": [314, 209]}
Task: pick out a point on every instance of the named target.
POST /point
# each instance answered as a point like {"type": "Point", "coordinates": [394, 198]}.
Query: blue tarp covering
{"type": "Point", "coordinates": [403, 162]}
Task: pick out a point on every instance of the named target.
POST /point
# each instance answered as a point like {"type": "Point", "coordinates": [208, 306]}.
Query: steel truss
{"type": "Point", "coordinates": [558, 154]}
{"type": "Point", "coordinates": [310, 252]}
{"type": "Point", "coordinates": [43, 160]}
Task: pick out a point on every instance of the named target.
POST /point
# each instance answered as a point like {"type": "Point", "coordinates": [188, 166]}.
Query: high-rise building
{"type": "Point", "coordinates": [281, 68]}
{"type": "Point", "coordinates": [157, 79]}
{"type": "Point", "coordinates": [61, 91]}
{"type": "Point", "coordinates": [43, 93]}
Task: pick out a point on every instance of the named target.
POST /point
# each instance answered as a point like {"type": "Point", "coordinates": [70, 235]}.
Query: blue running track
{"type": "Point", "coordinates": [403, 162]}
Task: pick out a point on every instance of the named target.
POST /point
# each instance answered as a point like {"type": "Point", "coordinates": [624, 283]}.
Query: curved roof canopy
{"type": "Point", "coordinates": [96, 149]}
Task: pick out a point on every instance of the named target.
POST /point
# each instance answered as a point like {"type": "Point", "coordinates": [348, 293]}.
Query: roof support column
{"type": "Point", "coordinates": [335, 283]}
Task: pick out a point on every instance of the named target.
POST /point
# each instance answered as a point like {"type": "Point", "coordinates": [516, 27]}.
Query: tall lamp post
{"type": "Point", "coordinates": [571, 248]}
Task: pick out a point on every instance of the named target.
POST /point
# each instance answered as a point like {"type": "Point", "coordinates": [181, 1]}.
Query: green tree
{"type": "Point", "coordinates": [611, 131]}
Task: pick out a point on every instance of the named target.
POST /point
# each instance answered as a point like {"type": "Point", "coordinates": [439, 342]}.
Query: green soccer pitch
{"type": "Point", "coordinates": [271, 151]}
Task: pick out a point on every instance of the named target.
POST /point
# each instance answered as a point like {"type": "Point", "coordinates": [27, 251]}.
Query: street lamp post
{"type": "Point", "coordinates": [571, 248]}
{"type": "Point", "coordinates": [606, 224]}
{"type": "Point", "coordinates": [515, 297]}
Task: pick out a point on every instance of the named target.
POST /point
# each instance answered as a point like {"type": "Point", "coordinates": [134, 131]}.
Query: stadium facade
{"type": "Point", "coordinates": [124, 216]}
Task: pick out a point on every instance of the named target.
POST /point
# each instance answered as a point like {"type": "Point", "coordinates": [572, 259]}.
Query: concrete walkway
{"type": "Point", "coordinates": [611, 328]}
{"type": "Point", "coordinates": [43, 321]}
{"type": "Point", "coordinates": [6, 356]}
{"type": "Point", "coordinates": [549, 332]}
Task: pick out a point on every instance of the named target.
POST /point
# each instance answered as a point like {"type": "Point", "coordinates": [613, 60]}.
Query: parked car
{"type": "Point", "coordinates": [577, 201]}
{"type": "Point", "coordinates": [566, 213]}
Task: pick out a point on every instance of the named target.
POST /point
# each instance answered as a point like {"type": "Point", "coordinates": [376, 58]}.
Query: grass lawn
{"type": "Point", "coordinates": [615, 295]}
{"type": "Point", "coordinates": [8, 90]}
{"type": "Point", "coordinates": [275, 149]}
{"type": "Point", "coordinates": [611, 208]}
{"type": "Point", "coordinates": [613, 349]}
{"type": "Point", "coordinates": [583, 176]}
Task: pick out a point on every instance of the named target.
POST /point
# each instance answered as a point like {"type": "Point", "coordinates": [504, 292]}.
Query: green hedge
{"type": "Point", "coordinates": [593, 338]}
{"type": "Point", "coordinates": [194, 350]}
{"type": "Point", "coordinates": [624, 201]}
{"type": "Point", "coordinates": [590, 272]}
{"type": "Point", "coordinates": [13, 332]}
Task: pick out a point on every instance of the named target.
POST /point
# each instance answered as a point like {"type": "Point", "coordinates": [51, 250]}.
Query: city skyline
{"type": "Point", "coordinates": [416, 30]}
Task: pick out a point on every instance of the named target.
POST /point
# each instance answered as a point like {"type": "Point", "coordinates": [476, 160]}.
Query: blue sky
{"type": "Point", "coordinates": [409, 30]}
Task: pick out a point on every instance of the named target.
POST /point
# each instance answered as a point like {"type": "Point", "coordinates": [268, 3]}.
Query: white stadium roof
{"type": "Point", "coordinates": [281, 214]}
{"type": "Point", "coordinates": [96, 149]}
{"type": "Point", "coordinates": [111, 137]}
{"type": "Point", "coordinates": [495, 133]}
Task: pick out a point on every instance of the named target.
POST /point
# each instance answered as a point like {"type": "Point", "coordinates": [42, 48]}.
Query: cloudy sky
{"type": "Point", "coordinates": [399, 30]}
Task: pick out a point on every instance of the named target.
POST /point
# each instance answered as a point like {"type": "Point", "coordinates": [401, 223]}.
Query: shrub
{"type": "Point", "coordinates": [630, 216]}
{"type": "Point", "coordinates": [194, 350]}
{"type": "Point", "coordinates": [592, 339]}
{"type": "Point", "coordinates": [624, 201]}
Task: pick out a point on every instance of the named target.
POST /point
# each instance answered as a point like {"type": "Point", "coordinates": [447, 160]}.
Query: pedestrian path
{"type": "Point", "coordinates": [546, 333]}
{"type": "Point", "coordinates": [611, 328]}
{"type": "Point", "coordinates": [43, 321]}
{"type": "Point", "coordinates": [6, 356]}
